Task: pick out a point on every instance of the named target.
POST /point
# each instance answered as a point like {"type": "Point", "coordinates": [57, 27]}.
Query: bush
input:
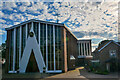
{"type": "Point", "coordinates": [102, 72]}
{"type": "Point", "coordinates": [90, 68]}
{"type": "Point", "coordinates": [97, 70]}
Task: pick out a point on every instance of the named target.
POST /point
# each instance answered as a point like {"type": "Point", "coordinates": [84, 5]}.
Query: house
{"type": "Point", "coordinates": [35, 46]}
{"type": "Point", "coordinates": [107, 55]}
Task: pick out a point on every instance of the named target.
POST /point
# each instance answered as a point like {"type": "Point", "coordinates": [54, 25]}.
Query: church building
{"type": "Point", "coordinates": [42, 46]}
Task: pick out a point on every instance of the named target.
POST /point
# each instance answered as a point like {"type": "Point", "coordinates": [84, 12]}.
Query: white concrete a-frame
{"type": "Point", "coordinates": [31, 44]}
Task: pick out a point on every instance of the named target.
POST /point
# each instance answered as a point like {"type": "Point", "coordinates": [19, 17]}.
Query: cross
{"type": "Point", "coordinates": [57, 16]}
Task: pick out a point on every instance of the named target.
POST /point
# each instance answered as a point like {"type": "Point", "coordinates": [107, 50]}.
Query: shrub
{"type": "Point", "coordinates": [91, 68]}
{"type": "Point", "coordinates": [102, 72]}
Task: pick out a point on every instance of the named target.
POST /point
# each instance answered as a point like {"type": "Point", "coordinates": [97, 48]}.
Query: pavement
{"type": "Point", "coordinates": [0, 70]}
{"type": "Point", "coordinates": [77, 74]}
{"type": "Point", "coordinates": [81, 73]}
{"type": "Point", "coordinates": [70, 74]}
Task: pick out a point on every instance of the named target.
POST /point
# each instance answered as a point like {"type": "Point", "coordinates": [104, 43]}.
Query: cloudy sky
{"type": "Point", "coordinates": [95, 20]}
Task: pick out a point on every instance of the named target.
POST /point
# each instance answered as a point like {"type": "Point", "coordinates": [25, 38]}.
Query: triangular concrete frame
{"type": "Point", "coordinates": [31, 44]}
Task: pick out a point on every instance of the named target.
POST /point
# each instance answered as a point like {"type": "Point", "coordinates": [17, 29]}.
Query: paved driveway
{"type": "Point", "coordinates": [69, 74]}
{"type": "Point", "coordinates": [77, 74]}
{"type": "Point", "coordinates": [81, 73]}
{"type": "Point", "coordinates": [0, 70]}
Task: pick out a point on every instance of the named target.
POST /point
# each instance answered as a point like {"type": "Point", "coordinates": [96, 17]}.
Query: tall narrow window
{"type": "Point", "coordinates": [88, 48]}
{"type": "Point", "coordinates": [29, 27]}
{"type": "Point", "coordinates": [50, 48]}
{"type": "Point", "coordinates": [17, 49]}
{"type": "Point", "coordinates": [57, 47]}
{"type": "Point", "coordinates": [23, 39]}
{"type": "Point", "coordinates": [60, 48]}
{"type": "Point", "coordinates": [36, 29]}
{"type": "Point", "coordinates": [11, 50]}
{"type": "Point", "coordinates": [43, 40]}
{"type": "Point", "coordinates": [80, 49]}
{"type": "Point", "coordinates": [83, 49]}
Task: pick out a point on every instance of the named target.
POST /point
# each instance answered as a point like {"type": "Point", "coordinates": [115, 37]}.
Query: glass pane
{"type": "Point", "coordinates": [88, 49]}
{"type": "Point", "coordinates": [29, 27]}
{"type": "Point", "coordinates": [11, 50]}
{"type": "Point", "coordinates": [83, 49]}
{"type": "Point", "coordinates": [43, 40]}
{"type": "Point", "coordinates": [23, 38]}
{"type": "Point", "coordinates": [36, 29]}
{"type": "Point", "coordinates": [58, 47]}
{"type": "Point", "coordinates": [17, 48]}
{"type": "Point", "coordinates": [50, 48]}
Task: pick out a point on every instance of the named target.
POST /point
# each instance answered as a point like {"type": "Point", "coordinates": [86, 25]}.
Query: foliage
{"type": "Point", "coordinates": [91, 68]}
{"type": "Point", "coordinates": [95, 68]}
{"type": "Point", "coordinates": [3, 49]}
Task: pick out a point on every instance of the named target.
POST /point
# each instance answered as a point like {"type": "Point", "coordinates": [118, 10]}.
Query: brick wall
{"type": "Point", "coordinates": [104, 54]}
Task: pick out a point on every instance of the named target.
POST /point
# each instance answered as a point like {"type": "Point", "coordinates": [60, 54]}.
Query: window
{"type": "Point", "coordinates": [11, 50]}
{"type": "Point", "coordinates": [23, 39]}
{"type": "Point", "coordinates": [17, 48]}
{"type": "Point", "coordinates": [28, 28]}
{"type": "Point", "coordinates": [50, 47]}
{"type": "Point", "coordinates": [36, 29]}
{"type": "Point", "coordinates": [72, 57]}
{"type": "Point", "coordinates": [112, 53]}
{"type": "Point", "coordinates": [58, 47]}
{"type": "Point", "coordinates": [84, 48]}
{"type": "Point", "coordinates": [43, 40]}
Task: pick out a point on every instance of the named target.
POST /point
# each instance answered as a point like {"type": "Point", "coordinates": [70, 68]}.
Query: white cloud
{"type": "Point", "coordinates": [1, 13]}
{"type": "Point", "coordinates": [2, 21]}
{"type": "Point", "coordinates": [26, 3]}
{"type": "Point", "coordinates": [15, 23]}
{"type": "Point", "coordinates": [95, 45]}
{"type": "Point", "coordinates": [9, 5]}
{"type": "Point", "coordinates": [22, 8]}
{"type": "Point", "coordinates": [2, 32]}
{"type": "Point", "coordinates": [93, 14]}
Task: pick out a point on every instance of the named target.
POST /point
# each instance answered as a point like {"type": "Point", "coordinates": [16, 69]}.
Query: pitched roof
{"type": "Point", "coordinates": [104, 44]}
{"type": "Point", "coordinates": [33, 20]}
{"type": "Point", "coordinates": [41, 21]}
{"type": "Point", "coordinates": [101, 44]}
{"type": "Point", "coordinates": [70, 32]}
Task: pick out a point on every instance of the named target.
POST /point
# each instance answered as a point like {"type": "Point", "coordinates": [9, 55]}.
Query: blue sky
{"type": "Point", "coordinates": [87, 20]}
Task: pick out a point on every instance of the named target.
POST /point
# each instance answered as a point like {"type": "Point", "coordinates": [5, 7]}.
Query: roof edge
{"type": "Point", "coordinates": [108, 44]}
{"type": "Point", "coordinates": [70, 32]}
{"type": "Point", "coordinates": [32, 20]}
{"type": "Point", "coordinates": [35, 20]}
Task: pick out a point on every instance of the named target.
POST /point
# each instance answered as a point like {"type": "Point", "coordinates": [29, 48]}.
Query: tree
{"type": "Point", "coordinates": [3, 49]}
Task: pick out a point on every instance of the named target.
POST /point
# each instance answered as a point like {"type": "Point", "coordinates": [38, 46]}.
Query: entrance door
{"type": "Point", "coordinates": [32, 64]}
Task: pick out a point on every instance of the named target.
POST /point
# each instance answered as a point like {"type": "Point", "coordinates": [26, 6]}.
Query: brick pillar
{"type": "Point", "coordinates": [65, 51]}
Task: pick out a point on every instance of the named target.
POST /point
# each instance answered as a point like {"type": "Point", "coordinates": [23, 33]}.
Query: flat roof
{"type": "Point", "coordinates": [80, 39]}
